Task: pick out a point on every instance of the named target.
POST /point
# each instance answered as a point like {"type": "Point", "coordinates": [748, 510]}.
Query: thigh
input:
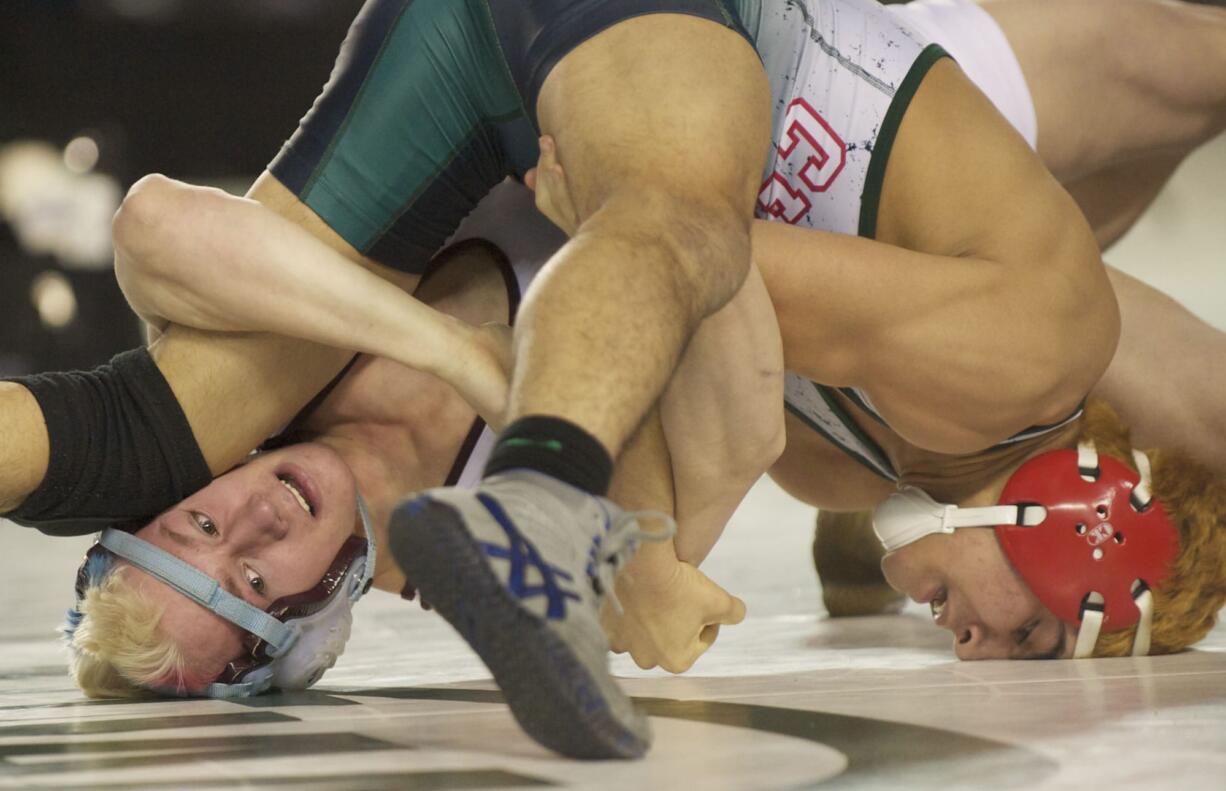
{"type": "Point", "coordinates": [1113, 80]}
{"type": "Point", "coordinates": [1166, 379]}
{"type": "Point", "coordinates": [662, 105]}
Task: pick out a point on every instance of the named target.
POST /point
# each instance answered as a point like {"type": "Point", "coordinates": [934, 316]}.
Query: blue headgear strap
{"type": "Point", "coordinates": [195, 585]}
{"type": "Point", "coordinates": [208, 592]}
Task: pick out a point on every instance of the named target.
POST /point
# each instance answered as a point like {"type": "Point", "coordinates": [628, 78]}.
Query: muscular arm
{"type": "Point", "coordinates": [947, 347]}
{"type": "Point", "coordinates": [208, 260]}
{"type": "Point", "coordinates": [23, 445]}
{"type": "Point", "coordinates": [999, 329]}
{"type": "Point", "coordinates": [235, 389]}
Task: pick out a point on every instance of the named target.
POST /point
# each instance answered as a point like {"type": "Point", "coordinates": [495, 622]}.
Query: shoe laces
{"type": "Point", "coordinates": [619, 544]}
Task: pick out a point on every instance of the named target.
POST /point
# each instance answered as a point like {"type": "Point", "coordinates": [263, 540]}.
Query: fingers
{"type": "Point", "coordinates": [549, 157]}
{"type": "Point", "coordinates": [735, 612]}
{"type": "Point", "coordinates": [549, 185]}
{"type": "Point", "coordinates": [721, 607]}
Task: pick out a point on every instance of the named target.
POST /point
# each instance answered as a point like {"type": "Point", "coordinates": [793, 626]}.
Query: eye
{"type": "Point", "coordinates": [205, 523]}
{"type": "Point", "coordinates": [1024, 633]}
{"type": "Point", "coordinates": [255, 581]}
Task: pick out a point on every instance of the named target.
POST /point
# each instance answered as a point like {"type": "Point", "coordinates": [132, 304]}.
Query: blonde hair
{"type": "Point", "coordinates": [116, 645]}
{"type": "Point", "coordinates": [1186, 604]}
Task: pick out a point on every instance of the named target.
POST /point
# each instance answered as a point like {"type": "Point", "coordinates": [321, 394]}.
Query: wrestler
{"type": "Point", "coordinates": [431, 105]}
{"type": "Point", "coordinates": [1070, 261]}
{"type": "Point", "coordinates": [392, 428]}
{"type": "Point", "coordinates": [1145, 303]}
{"type": "Point", "coordinates": [878, 447]}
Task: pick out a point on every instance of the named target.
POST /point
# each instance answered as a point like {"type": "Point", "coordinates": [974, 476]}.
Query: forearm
{"type": "Point", "coordinates": [199, 257]}
{"type": "Point", "coordinates": [723, 416]}
{"type": "Point", "coordinates": [957, 353]}
{"type": "Point", "coordinates": [237, 388]}
{"type": "Point", "coordinates": [643, 481]}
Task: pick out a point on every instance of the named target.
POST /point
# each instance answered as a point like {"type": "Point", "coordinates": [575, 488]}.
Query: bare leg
{"type": "Point", "coordinates": [1167, 380]}
{"type": "Point", "coordinates": [848, 556]}
{"type": "Point", "coordinates": [1113, 199]}
{"type": "Point", "coordinates": [1152, 81]}
{"type": "Point", "coordinates": [1119, 105]}
{"type": "Point", "coordinates": [665, 234]}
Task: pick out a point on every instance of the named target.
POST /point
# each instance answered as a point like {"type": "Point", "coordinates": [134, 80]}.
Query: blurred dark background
{"type": "Point", "coordinates": [97, 93]}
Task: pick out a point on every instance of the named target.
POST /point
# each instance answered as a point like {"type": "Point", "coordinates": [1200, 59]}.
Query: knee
{"type": "Point", "coordinates": [711, 238]}
{"type": "Point", "coordinates": [706, 241]}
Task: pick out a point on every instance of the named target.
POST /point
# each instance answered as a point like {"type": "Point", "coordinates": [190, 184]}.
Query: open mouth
{"type": "Point", "coordinates": [298, 490]}
{"type": "Point", "coordinates": [937, 605]}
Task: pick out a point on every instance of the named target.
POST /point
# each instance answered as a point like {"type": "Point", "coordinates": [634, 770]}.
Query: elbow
{"type": "Point", "coordinates": [148, 227]}
{"type": "Point", "coordinates": [773, 441]}
{"type": "Point", "coordinates": [758, 445]}
{"type": "Point", "coordinates": [142, 214]}
{"type": "Point", "coordinates": [1084, 329]}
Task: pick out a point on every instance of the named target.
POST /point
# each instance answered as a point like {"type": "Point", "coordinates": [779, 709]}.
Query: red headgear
{"type": "Point", "coordinates": [1085, 534]}
{"type": "Point", "coordinates": [1103, 532]}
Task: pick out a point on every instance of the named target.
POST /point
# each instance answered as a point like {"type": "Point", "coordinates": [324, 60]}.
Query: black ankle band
{"type": "Point", "coordinates": [555, 447]}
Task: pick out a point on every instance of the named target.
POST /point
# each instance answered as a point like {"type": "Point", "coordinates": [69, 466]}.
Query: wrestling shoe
{"type": "Point", "coordinates": [519, 567]}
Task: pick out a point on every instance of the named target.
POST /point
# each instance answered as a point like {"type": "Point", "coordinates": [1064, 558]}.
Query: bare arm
{"type": "Point", "coordinates": [23, 445]}
{"type": "Point", "coordinates": [948, 348]}
{"type": "Point", "coordinates": [672, 612]}
{"type": "Point", "coordinates": [235, 389]}
{"type": "Point", "coordinates": [204, 259]}
{"type": "Point", "coordinates": [958, 352]}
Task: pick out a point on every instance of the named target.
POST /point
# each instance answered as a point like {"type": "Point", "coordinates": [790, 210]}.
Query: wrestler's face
{"type": "Point", "coordinates": [975, 593]}
{"type": "Point", "coordinates": [265, 530]}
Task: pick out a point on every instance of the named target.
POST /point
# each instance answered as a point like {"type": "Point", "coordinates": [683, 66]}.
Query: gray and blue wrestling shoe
{"type": "Point", "coordinates": [519, 566]}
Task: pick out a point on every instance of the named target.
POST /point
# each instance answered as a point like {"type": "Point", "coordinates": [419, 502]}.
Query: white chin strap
{"type": "Point", "coordinates": [909, 514]}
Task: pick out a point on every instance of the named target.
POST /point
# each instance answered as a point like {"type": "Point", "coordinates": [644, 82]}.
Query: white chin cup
{"type": "Point", "coordinates": [909, 514]}
{"type": "Point", "coordinates": [320, 641]}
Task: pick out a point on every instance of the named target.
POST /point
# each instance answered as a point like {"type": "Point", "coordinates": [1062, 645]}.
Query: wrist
{"type": "Point", "coordinates": [653, 566]}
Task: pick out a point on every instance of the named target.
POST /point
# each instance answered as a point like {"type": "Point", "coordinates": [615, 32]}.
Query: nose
{"type": "Point", "coordinates": [972, 641]}
{"type": "Point", "coordinates": [267, 522]}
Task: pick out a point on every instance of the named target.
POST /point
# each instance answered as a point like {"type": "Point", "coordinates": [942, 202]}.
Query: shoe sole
{"type": "Point", "coordinates": [550, 692]}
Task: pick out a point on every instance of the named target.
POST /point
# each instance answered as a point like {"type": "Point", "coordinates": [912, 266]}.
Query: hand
{"type": "Point", "coordinates": [552, 193]}
{"type": "Point", "coordinates": [669, 619]}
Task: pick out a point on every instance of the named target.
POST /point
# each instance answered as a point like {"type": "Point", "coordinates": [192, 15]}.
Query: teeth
{"type": "Point", "coordinates": [302, 501]}
{"type": "Point", "coordinates": [937, 605]}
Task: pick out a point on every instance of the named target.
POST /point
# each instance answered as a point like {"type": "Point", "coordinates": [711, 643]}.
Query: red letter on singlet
{"type": "Point", "coordinates": [817, 156]}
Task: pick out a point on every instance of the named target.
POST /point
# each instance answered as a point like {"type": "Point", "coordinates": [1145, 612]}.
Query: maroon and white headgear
{"type": "Point", "coordinates": [1084, 532]}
